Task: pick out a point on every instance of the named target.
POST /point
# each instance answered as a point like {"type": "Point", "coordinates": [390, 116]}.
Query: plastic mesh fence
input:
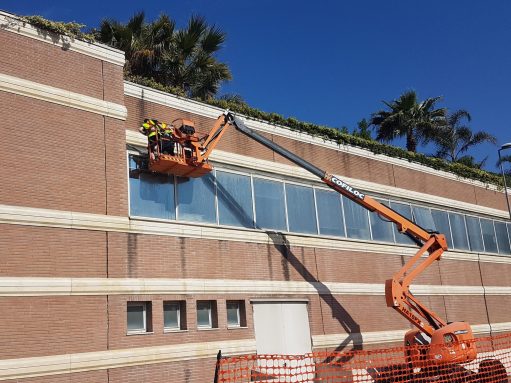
{"type": "Point", "coordinates": [400, 364]}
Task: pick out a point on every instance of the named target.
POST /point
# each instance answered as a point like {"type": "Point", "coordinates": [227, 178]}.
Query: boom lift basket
{"type": "Point", "coordinates": [179, 154]}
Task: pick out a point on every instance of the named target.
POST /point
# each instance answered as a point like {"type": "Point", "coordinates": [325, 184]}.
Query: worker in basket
{"type": "Point", "coordinates": [167, 138]}
{"type": "Point", "coordinates": [150, 130]}
{"type": "Point", "coordinates": [158, 132]}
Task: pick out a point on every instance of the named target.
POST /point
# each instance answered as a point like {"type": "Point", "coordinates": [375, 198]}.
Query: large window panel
{"type": "Point", "coordinates": [458, 231]}
{"type": "Point", "coordinates": [357, 220]}
{"type": "Point", "coordinates": [301, 213]}
{"type": "Point", "coordinates": [474, 233]}
{"type": "Point", "coordinates": [422, 216]}
{"type": "Point", "coordinates": [442, 225]}
{"type": "Point", "coordinates": [196, 199]}
{"type": "Point", "coordinates": [490, 243]}
{"type": "Point", "coordinates": [405, 210]}
{"type": "Point", "coordinates": [234, 200]}
{"type": "Point", "coordinates": [269, 203]}
{"type": "Point", "coordinates": [330, 216]}
{"type": "Point", "coordinates": [502, 238]}
{"type": "Point", "coordinates": [381, 228]}
{"type": "Point", "coordinates": [151, 195]}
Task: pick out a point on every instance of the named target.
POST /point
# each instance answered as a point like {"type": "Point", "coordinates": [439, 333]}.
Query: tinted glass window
{"type": "Point", "coordinates": [204, 314]}
{"type": "Point", "coordinates": [301, 213]}
{"type": "Point", "coordinates": [233, 314]}
{"type": "Point", "coordinates": [136, 316]}
{"type": "Point", "coordinates": [234, 199]}
{"type": "Point", "coordinates": [269, 203]}
{"type": "Point", "coordinates": [474, 233]}
{"type": "Point", "coordinates": [330, 215]}
{"type": "Point", "coordinates": [490, 244]}
{"type": "Point", "coordinates": [502, 238]}
{"type": "Point", "coordinates": [405, 210]}
{"type": "Point", "coordinates": [196, 199]}
{"type": "Point", "coordinates": [459, 231]}
{"type": "Point", "coordinates": [357, 220]}
{"type": "Point", "coordinates": [381, 228]}
{"type": "Point", "coordinates": [171, 315]}
{"type": "Point", "coordinates": [151, 195]}
{"type": "Point", "coordinates": [442, 225]}
{"type": "Point", "coordinates": [422, 216]}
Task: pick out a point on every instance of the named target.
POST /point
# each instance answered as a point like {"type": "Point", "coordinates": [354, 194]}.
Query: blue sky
{"type": "Point", "coordinates": [332, 62]}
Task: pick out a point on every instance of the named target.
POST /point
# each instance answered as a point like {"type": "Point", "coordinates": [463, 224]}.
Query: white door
{"type": "Point", "coordinates": [283, 328]}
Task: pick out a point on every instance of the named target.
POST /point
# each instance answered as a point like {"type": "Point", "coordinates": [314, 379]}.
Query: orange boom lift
{"type": "Point", "coordinates": [447, 342]}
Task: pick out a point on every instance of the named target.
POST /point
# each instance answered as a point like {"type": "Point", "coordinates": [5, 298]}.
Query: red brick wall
{"type": "Point", "coordinates": [100, 376]}
{"type": "Point", "coordinates": [30, 251]}
{"type": "Point", "coordinates": [496, 274]}
{"type": "Point", "coordinates": [56, 159]}
{"type": "Point", "coordinates": [187, 371]}
{"type": "Point", "coordinates": [38, 326]}
{"type": "Point", "coordinates": [62, 167]}
{"type": "Point", "coordinates": [51, 65]}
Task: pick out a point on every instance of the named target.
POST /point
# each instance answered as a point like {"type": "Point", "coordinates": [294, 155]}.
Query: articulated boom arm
{"type": "Point", "coordinates": [397, 290]}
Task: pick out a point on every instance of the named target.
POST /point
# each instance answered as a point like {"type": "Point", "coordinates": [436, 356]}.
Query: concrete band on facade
{"type": "Point", "coordinates": [14, 215]}
{"type": "Point", "coordinates": [61, 97]}
{"type": "Point", "coordinates": [15, 24]}
{"type": "Point", "coordinates": [30, 286]}
{"type": "Point", "coordinates": [67, 316]}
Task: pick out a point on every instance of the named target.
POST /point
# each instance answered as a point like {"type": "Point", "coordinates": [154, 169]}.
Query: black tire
{"type": "Point", "coordinates": [492, 371]}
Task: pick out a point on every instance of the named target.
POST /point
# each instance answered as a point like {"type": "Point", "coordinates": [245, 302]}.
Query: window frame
{"type": "Point", "coordinates": [252, 199]}
{"type": "Point", "coordinates": [210, 315]}
{"type": "Point", "coordinates": [486, 250]}
{"type": "Point", "coordinates": [480, 233]}
{"type": "Point", "coordinates": [315, 213]}
{"type": "Point", "coordinates": [179, 324]}
{"type": "Point", "coordinates": [144, 329]}
{"type": "Point", "coordinates": [315, 186]}
{"type": "Point", "coordinates": [283, 188]}
{"type": "Point", "coordinates": [342, 220]}
{"type": "Point", "coordinates": [238, 314]}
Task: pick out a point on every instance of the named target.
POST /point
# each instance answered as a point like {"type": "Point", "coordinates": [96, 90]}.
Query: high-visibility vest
{"type": "Point", "coordinates": [165, 129]}
{"type": "Point", "coordinates": [149, 127]}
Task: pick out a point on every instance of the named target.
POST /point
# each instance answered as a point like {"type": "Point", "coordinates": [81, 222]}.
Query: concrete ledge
{"type": "Point", "coordinates": [63, 97]}
{"type": "Point", "coordinates": [15, 24]}
{"type": "Point", "coordinates": [100, 360]}
{"type": "Point", "coordinates": [40, 286]}
{"type": "Point", "coordinates": [26, 216]}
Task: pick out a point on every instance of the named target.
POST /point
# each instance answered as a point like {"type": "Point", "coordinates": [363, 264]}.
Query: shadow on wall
{"type": "Point", "coordinates": [347, 322]}
{"type": "Point", "coordinates": [282, 245]}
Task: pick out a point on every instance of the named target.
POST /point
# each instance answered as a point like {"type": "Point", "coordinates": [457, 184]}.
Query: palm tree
{"type": "Point", "coordinates": [131, 38]}
{"type": "Point", "coordinates": [417, 121]}
{"type": "Point", "coordinates": [362, 130]}
{"type": "Point", "coordinates": [455, 138]}
{"type": "Point", "coordinates": [178, 58]}
{"type": "Point", "coordinates": [190, 64]}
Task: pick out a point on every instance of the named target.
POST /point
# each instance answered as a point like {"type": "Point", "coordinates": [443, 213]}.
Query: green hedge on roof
{"type": "Point", "coordinates": [336, 136]}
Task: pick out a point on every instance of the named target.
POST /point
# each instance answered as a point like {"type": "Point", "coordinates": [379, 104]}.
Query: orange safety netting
{"type": "Point", "coordinates": [400, 364]}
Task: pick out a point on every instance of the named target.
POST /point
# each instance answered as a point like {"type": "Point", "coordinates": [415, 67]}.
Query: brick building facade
{"type": "Point", "coordinates": [109, 275]}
